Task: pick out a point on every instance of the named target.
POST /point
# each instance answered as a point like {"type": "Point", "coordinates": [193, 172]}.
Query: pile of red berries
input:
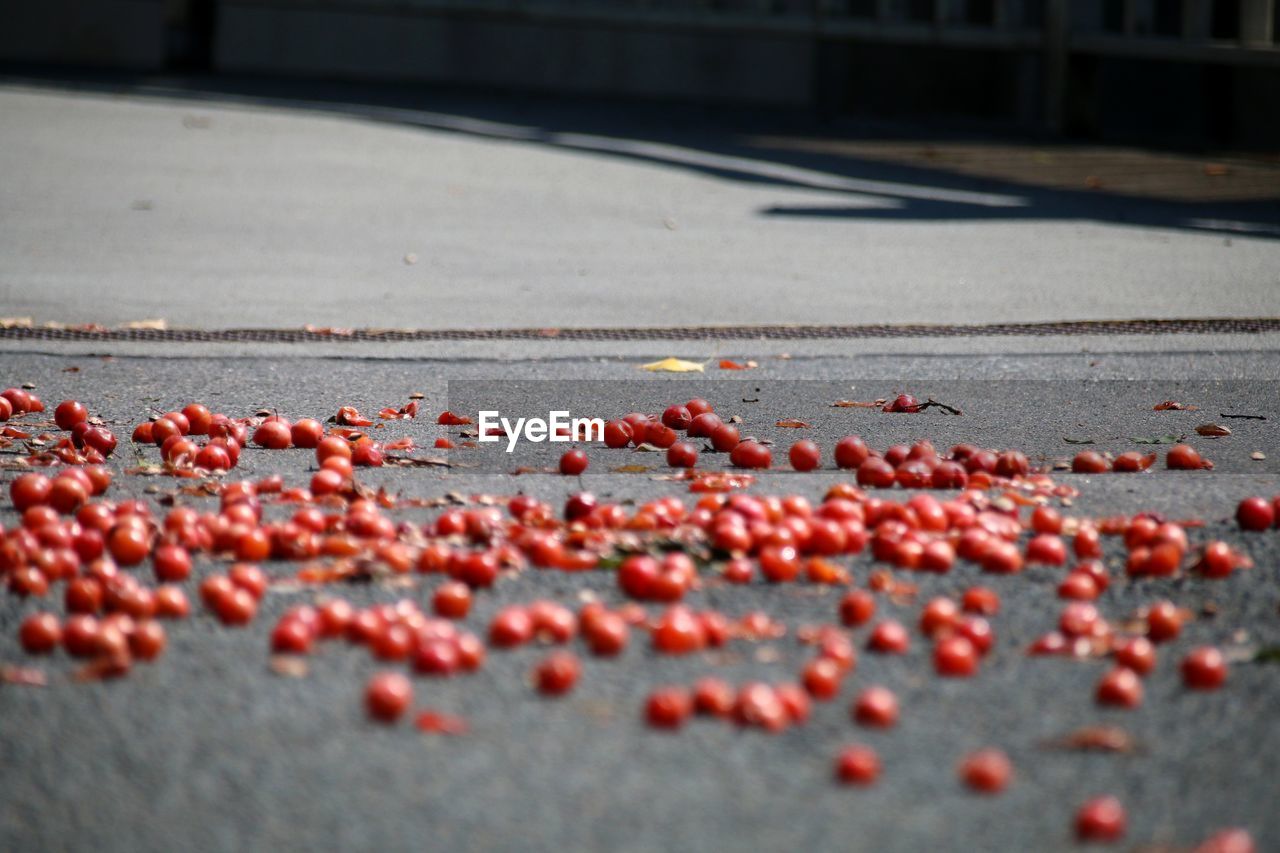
{"type": "Point", "coordinates": [334, 530]}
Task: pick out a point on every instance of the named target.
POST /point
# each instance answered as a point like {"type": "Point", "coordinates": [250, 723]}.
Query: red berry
{"type": "Point", "coordinates": [682, 454]}
{"type": "Point", "coordinates": [69, 413]}
{"type": "Point", "coordinates": [171, 563]}
{"type": "Point", "coordinates": [821, 677]}
{"type": "Point", "coordinates": [306, 433]}
{"type": "Point", "coordinates": [940, 614]}
{"type": "Point", "coordinates": [608, 635]}
{"type": "Point", "coordinates": [857, 608]}
{"type": "Point", "coordinates": [713, 697]}
{"type": "Point", "coordinates": [955, 657]}
{"type": "Point", "coordinates": [573, 463]}
{"type": "Point", "coordinates": [1184, 457]}
{"type": "Point", "coordinates": [40, 633]}
{"type": "Point", "coordinates": [1137, 654]}
{"type": "Point", "coordinates": [30, 489]}
{"type": "Point", "coordinates": [1204, 668]}
{"type": "Point", "coordinates": [148, 640]}
{"type": "Point", "coordinates": [987, 771]}
{"type": "Point", "coordinates": [1164, 621]}
{"type": "Point", "coordinates": [557, 673]}
{"type": "Point", "coordinates": [805, 455]}
{"type": "Point", "coordinates": [272, 434]}
{"type": "Point", "coordinates": [1251, 514]}
{"type": "Point", "coordinates": [1101, 819]}
{"type": "Point", "coordinates": [387, 696]}
{"type": "Point", "coordinates": [876, 707]}
{"type": "Point", "coordinates": [668, 707]}
{"type": "Point", "coordinates": [751, 454]}
{"type": "Point", "coordinates": [452, 600]}
{"type": "Point", "coordinates": [876, 473]}
{"type": "Point", "coordinates": [725, 438]}
{"type": "Point", "coordinates": [698, 406]}
{"type": "Point", "coordinates": [512, 626]}
{"type": "Point", "coordinates": [857, 765]}
{"type": "Point", "coordinates": [677, 418]}
{"type": "Point", "coordinates": [1078, 586]}
{"type": "Point", "coordinates": [851, 451]}
{"type": "Point", "coordinates": [1046, 549]}
{"type": "Point", "coordinates": [617, 434]}
{"type": "Point", "coordinates": [1120, 687]}
{"type": "Point", "coordinates": [889, 637]}
{"type": "Point", "coordinates": [980, 599]}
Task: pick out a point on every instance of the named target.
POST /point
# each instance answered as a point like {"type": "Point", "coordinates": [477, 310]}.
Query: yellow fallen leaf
{"type": "Point", "coordinates": [152, 325]}
{"type": "Point", "coordinates": [674, 365]}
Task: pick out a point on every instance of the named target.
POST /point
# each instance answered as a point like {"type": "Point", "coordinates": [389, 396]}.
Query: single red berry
{"type": "Point", "coordinates": [1204, 668]}
{"type": "Point", "coordinates": [272, 434]}
{"type": "Point", "coordinates": [1252, 514]}
{"type": "Point", "coordinates": [955, 657]}
{"type": "Point", "coordinates": [1120, 687]}
{"type": "Point", "coordinates": [857, 765]}
{"type": "Point", "coordinates": [306, 433]}
{"type": "Point", "coordinates": [573, 463]}
{"type": "Point", "coordinates": [668, 707]}
{"type": "Point", "coordinates": [889, 637]}
{"type": "Point", "coordinates": [981, 600]}
{"type": "Point", "coordinates": [1164, 621]}
{"type": "Point", "coordinates": [851, 451]}
{"type": "Point", "coordinates": [821, 677]}
{"type": "Point", "coordinates": [713, 696]}
{"type": "Point", "coordinates": [452, 600]}
{"type": "Point", "coordinates": [940, 614]}
{"type": "Point", "coordinates": [387, 696]}
{"type": "Point", "coordinates": [608, 635]}
{"type": "Point", "coordinates": [1137, 654]}
{"type": "Point", "coordinates": [677, 418]}
{"type": "Point", "coordinates": [512, 626]}
{"type": "Point", "coordinates": [987, 771]}
{"type": "Point", "coordinates": [557, 673]}
{"type": "Point", "coordinates": [40, 633]}
{"type": "Point", "coordinates": [857, 608]}
{"type": "Point", "coordinates": [876, 707]}
{"type": "Point", "coordinates": [682, 454]}
{"type": "Point", "coordinates": [69, 413]}
{"type": "Point", "coordinates": [1078, 586]}
{"type": "Point", "coordinates": [171, 563]}
{"type": "Point", "coordinates": [148, 639]}
{"type": "Point", "coordinates": [1184, 457]}
{"type": "Point", "coordinates": [751, 454]}
{"type": "Point", "coordinates": [725, 438]}
{"type": "Point", "coordinates": [1101, 819]}
{"type": "Point", "coordinates": [805, 455]}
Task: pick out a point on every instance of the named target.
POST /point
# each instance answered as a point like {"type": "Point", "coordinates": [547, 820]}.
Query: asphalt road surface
{"type": "Point", "coordinates": [208, 205]}
{"type": "Point", "coordinates": [209, 748]}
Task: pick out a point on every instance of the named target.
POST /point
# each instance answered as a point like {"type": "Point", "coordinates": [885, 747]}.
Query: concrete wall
{"type": "Point", "coordinates": [115, 33]}
{"type": "Point", "coordinates": [632, 61]}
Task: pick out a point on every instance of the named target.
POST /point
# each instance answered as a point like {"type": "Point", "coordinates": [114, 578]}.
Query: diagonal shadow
{"type": "Point", "coordinates": [714, 141]}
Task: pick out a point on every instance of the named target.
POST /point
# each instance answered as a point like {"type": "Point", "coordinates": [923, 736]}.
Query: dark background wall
{"type": "Point", "coordinates": [740, 51]}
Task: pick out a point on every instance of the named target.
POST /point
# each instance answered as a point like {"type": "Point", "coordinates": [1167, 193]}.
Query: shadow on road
{"type": "Point", "coordinates": [893, 171]}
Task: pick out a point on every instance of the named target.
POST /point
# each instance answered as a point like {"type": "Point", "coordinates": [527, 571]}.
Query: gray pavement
{"type": "Point", "coordinates": [213, 209]}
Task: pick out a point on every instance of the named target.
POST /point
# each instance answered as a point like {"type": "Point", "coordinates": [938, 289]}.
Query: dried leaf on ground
{"type": "Point", "coordinates": [673, 365]}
